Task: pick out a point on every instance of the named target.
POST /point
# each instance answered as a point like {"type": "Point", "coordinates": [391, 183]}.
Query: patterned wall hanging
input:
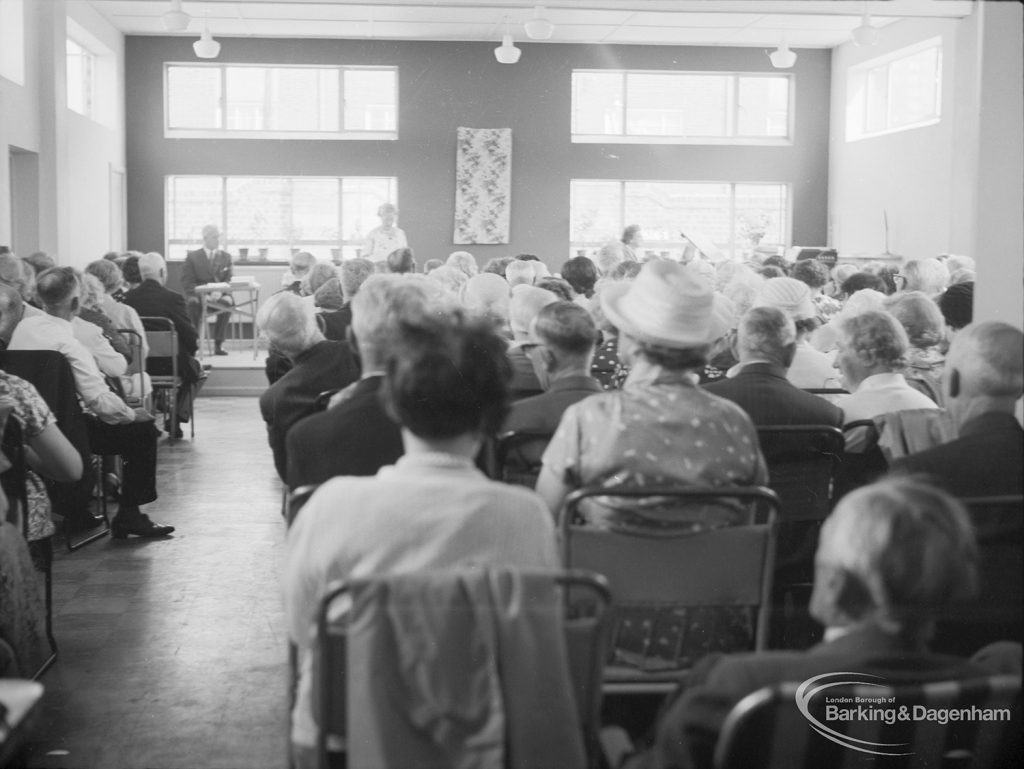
{"type": "Point", "coordinates": [483, 174]}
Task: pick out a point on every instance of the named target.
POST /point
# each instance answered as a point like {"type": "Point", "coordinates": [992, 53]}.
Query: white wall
{"type": "Point", "coordinates": [953, 187]}
{"type": "Point", "coordinates": [75, 153]}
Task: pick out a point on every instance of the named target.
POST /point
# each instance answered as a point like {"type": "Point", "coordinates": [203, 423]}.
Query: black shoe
{"type": "Point", "coordinates": [84, 522]}
{"type": "Point", "coordinates": [220, 351]}
{"type": "Point", "coordinates": [139, 525]}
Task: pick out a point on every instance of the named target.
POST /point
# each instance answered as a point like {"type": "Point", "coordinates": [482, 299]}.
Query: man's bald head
{"type": "Point", "coordinates": [987, 360]}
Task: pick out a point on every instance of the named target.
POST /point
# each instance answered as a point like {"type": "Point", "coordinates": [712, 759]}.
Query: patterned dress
{"type": "Point", "coordinates": [35, 416]}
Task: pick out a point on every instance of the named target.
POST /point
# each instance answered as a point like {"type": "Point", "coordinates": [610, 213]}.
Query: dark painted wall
{"type": "Point", "coordinates": [446, 85]}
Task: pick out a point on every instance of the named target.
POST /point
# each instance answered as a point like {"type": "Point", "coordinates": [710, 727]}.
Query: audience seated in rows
{"type": "Point", "coordinates": [151, 298]}
{"type": "Point", "coordinates": [815, 275]}
{"type": "Point", "coordinates": [983, 380]}
{"type": "Point", "coordinates": [354, 436]}
{"type": "Point", "coordinates": [890, 557]}
{"type": "Point", "coordinates": [487, 296]}
{"type": "Point", "coordinates": [661, 428]}
{"type": "Point", "coordinates": [114, 427]}
{"type": "Point", "coordinates": [318, 364]}
{"type": "Point", "coordinates": [928, 276]}
{"type": "Point", "coordinates": [446, 385]}
{"type": "Point", "coordinates": [561, 347]}
{"type": "Point", "coordinates": [872, 354]}
{"type": "Point", "coordinates": [765, 345]}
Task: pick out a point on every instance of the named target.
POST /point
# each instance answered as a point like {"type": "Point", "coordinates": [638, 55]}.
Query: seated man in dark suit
{"type": "Point", "coordinates": [317, 365]}
{"type": "Point", "coordinates": [209, 264]}
{"type": "Point", "coordinates": [890, 556]}
{"type": "Point", "coordinates": [982, 382]}
{"type": "Point", "coordinates": [561, 347]}
{"type": "Point", "coordinates": [765, 345]}
{"type": "Point", "coordinates": [355, 436]}
{"type": "Point", "coordinates": [152, 298]}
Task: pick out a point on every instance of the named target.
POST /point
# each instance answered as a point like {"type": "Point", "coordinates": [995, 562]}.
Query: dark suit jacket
{"type": "Point", "coordinates": [763, 391]}
{"type": "Point", "coordinates": [356, 437]}
{"type": "Point", "coordinates": [985, 460]}
{"type": "Point", "coordinates": [690, 727]}
{"type": "Point", "coordinates": [151, 298]}
{"type": "Point", "coordinates": [543, 412]}
{"type": "Point", "coordinates": [524, 382]}
{"type": "Point", "coordinates": [325, 366]}
{"type": "Point", "coordinates": [199, 269]}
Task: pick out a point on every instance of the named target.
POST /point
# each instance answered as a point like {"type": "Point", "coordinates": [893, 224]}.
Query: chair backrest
{"type": "Point", "coordinates": [997, 612]}
{"type": "Point", "coordinates": [296, 499]}
{"type": "Point", "coordinates": [768, 730]}
{"type": "Point", "coordinates": [679, 595]}
{"type": "Point", "coordinates": [162, 338]}
{"type": "Point", "coordinates": [585, 601]}
{"type": "Point", "coordinates": [517, 456]}
{"type": "Point", "coordinates": [802, 464]}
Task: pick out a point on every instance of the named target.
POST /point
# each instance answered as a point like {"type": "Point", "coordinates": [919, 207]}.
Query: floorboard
{"type": "Point", "coordinates": [172, 651]}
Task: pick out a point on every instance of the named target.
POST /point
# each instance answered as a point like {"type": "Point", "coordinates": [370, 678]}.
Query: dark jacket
{"type": "Point", "coordinates": [152, 299]}
{"type": "Point", "coordinates": [356, 437]}
{"type": "Point", "coordinates": [543, 412]}
{"type": "Point", "coordinates": [762, 390]}
{"type": "Point", "coordinates": [324, 366]}
{"type": "Point", "coordinates": [985, 460]}
{"type": "Point", "coordinates": [200, 269]}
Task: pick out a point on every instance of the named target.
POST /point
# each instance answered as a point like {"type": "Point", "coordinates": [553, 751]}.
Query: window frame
{"type": "Point", "coordinates": [675, 249]}
{"type": "Point", "coordinates": [731, 114]}
{"type": "Point", "coordinates": [862, 72]}
{"type": "Point", "coordinates": [339, 243]}
{"type": "Point", "coordinates": [88, 83]}
{"type": "Point", "coordinates": [342, 134]}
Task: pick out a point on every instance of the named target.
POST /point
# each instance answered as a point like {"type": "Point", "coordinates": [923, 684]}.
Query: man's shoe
{"type": "Point", "coordinates": [220, 351]}
{"type": "Point", "coordinates": [139, 525]}
{"type": "Point", "coordinates": [84, 522]}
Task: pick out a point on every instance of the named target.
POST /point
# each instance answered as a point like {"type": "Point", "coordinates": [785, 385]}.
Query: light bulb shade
{"type": "Point", "coordinates": [206, 47]}
{"type": "Point", "coordinates": [539, 28]}
{"type": "Point", "coordinates": [176, 20]}
{"type": "Point", "coordinates": [507, 53]}
{"type": "Point", "coordinates": [865, 34]}
{"type": "Point", "coordinates": [782, 57]}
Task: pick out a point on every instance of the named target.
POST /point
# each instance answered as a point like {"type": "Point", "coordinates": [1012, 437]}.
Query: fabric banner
{"type": "Point", "coordinates": [483, 173]}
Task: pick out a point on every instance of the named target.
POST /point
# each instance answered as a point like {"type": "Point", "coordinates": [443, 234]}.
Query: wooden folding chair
{"type": "Point", "coordinates": [162, 338]}
{"type": "Point", "coordinates": [767, 729]}
{"type": "Point", "coordinates": [678, 595]}
{"type": "Point", "coordinates": [585, 598]}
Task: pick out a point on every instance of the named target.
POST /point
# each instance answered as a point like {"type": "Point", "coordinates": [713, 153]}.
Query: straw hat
{"type": "Point", "coordinates": [667, 304]}
{"type": "Point", "coordinates": [790, 295]}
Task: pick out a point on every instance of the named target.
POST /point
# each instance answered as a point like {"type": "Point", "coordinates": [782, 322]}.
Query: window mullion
{"type": "Point", "coordinates": [625, 103]}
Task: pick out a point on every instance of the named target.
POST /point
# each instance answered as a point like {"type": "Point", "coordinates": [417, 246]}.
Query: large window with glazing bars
{"type": "Point", "coordinates": [657, 107]}
{"type": "Point", "coordinates": [241, 101]}
{"type": "Point", "coordinates": [267, 218]}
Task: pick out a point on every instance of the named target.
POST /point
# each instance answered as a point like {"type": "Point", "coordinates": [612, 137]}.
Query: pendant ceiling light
{"type": "Point", "coordinates": [206, 47]}
{"type": "Point", "coordinates": [782, 57]}
{"type": "Point", "coordinates": [865, 34]}
{"type": "Point", "coordinates": [507, 53]}
{"type": "Point", "coordinates": [539, 28]}
{"type": "Point", "coordinates": [176, 20]}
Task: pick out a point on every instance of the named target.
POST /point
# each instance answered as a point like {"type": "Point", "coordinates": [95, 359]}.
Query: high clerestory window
{"type": "Point", "coordinates": [895, 92]}
{"type": "Point", "coordinates": [280, 102]}
{"type": "Point", "coordinates": [644, 107]}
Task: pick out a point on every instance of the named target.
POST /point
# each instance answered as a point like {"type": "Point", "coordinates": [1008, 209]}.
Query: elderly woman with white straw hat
{"type": "Point", "coordinates": [661, 428]}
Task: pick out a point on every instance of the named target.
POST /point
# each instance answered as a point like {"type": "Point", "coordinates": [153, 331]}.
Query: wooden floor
{"type": "Point", "coordinates": [173, 651]}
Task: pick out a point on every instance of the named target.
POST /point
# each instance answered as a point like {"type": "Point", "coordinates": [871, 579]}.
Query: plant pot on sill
{"type": "Point", "coordinates": [243, 253]}
{"type": "Point", "coordinates": [336, 255]}
{"type": "Point", "coordinates": [263, 254]}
